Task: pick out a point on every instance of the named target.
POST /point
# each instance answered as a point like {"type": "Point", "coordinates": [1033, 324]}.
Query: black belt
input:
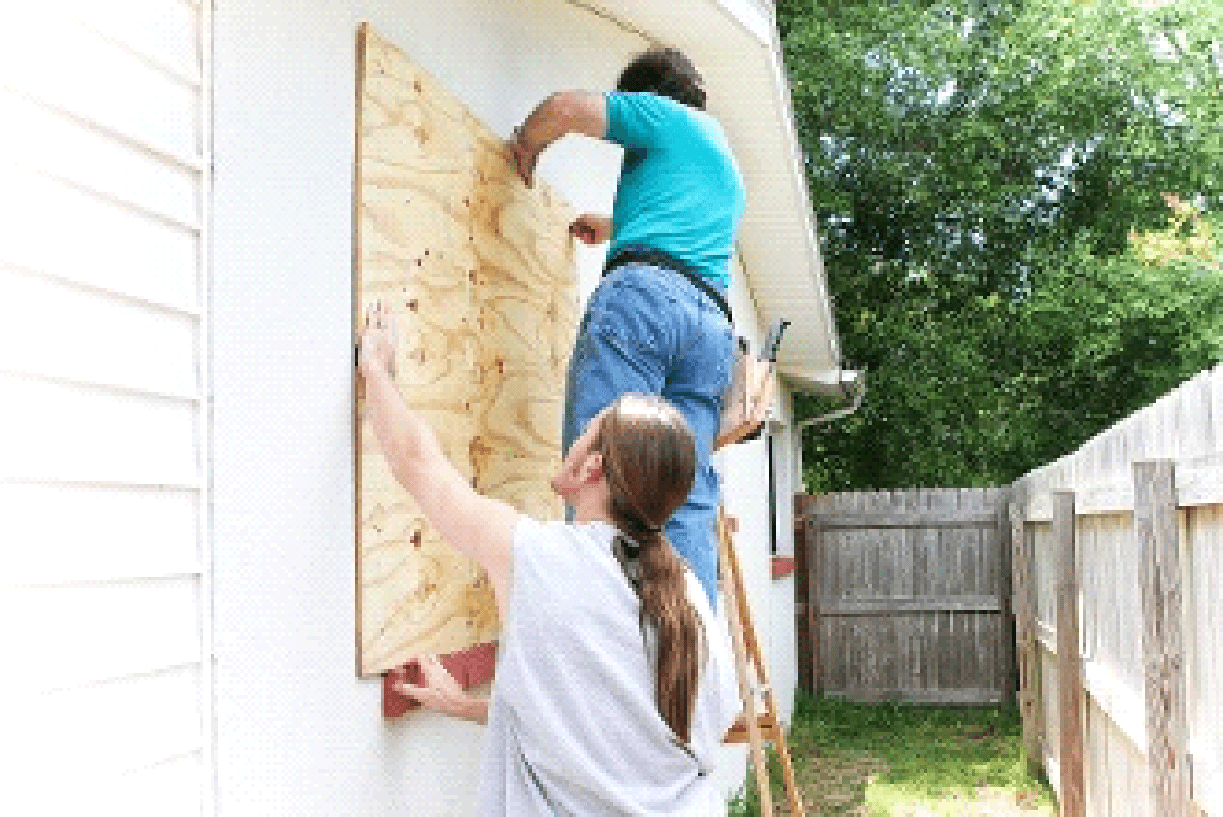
{"type": "Point", "coordinates": [658, 258]}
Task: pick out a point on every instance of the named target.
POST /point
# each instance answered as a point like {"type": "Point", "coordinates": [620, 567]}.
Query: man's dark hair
{"type": "Point", "coordinates": [666, 72]}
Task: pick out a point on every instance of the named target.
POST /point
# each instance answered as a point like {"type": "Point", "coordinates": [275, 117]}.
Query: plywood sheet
{"type": "Point", "coordinates": [480, 271]}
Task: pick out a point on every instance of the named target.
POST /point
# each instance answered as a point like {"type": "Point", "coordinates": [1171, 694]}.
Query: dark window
{"type": "Point", "coordinates": [768, 441]}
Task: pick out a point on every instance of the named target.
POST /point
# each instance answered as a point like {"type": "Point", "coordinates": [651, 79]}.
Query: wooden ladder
{"type": "Point", "coordinates": [752, 727]}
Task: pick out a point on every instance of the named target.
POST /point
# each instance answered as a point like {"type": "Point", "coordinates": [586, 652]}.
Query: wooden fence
{"type": "Point", "coordinates": [905, 596]}
{"type": "Point", "coordinates": [1111, 561]}
{"type": "Point", "coordinates": [1118, 594]}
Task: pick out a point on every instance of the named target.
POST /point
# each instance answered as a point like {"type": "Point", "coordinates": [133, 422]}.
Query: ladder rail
{"type": "Point", "coordinates": [747, 650]}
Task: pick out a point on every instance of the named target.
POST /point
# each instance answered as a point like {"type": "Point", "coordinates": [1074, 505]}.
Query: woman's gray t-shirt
{"type": "Point", "coordinates": [573, 726]}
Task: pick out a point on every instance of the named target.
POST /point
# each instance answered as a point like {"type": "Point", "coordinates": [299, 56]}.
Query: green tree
{"type": "Point", "coordinates": [979, 171]}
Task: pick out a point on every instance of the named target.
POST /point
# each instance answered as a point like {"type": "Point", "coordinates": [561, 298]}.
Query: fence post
{"type": "Point", "coordinates": [802, 612]}
{"type": "Point", "coordinates": [1157, 533]}
{"type": "Point", "coordinates": [1069, 662]}
{"type": "Point", "coordinates": [1024, 572]}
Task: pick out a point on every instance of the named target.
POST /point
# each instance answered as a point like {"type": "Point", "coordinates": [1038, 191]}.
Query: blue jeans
{"type": "Point", "coordinates": [651, 331]}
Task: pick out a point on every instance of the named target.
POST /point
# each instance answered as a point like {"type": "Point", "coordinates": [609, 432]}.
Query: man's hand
{"type": "Point", "coordinates": [441, 693]}
{"type": "Point", "coordinates": [591, 229]}
{"type": "Point", "coordinates": [523, 158]}
{"type": "Point", "coordinates": [377, 345]}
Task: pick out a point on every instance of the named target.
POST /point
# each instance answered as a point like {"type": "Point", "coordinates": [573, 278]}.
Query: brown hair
{"type": "Point", "coordinates": [649, 459]}
{"type": "Point", "coordinates": [666, 72]}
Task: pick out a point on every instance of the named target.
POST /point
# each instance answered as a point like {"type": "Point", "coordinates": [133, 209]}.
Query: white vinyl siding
{"type": "Point", "coordinates": [104, 546]}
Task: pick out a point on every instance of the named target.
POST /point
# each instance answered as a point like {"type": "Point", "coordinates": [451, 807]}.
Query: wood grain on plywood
{"type": "Point", "coordinates": [478, 270]}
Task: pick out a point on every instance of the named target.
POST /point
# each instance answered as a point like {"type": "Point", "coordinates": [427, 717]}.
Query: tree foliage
{"type": "Point", "coordinates": [988, 179]}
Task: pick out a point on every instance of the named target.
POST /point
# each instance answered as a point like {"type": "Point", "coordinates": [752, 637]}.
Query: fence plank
{"type": "Point", "coordinates": [943, 662]}
{"type": "Point", "coordinates": [1010, 673]}
{"type": "Point", "coordinates": [1155, 527]}
{"type": "Point", "coordinates": [803, 627]}
{"type": "Point", "coordinates": [1025, 633]}
{"type": "Point", "coordinates": [1069, 663]}
{"type": "Point", "coordinates": [882, 605]}
{"type": "Point", "coordinates": [931, 697]}
{"type": "Point", "coordinates": [1204, 647]}
{"type": "Point", "coordinates": [817, 568]}
{"type": "Point", "coordinates": [968, 518]}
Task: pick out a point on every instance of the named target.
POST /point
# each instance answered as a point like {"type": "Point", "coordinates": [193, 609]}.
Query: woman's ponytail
{"type": "Point", "coordinates": [650, 459]}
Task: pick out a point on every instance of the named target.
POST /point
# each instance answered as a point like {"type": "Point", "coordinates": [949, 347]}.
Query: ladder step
{"type": "Point", "coordinates": [767, 724]}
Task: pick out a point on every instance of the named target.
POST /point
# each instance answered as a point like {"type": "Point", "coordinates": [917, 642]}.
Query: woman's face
{"type": "Point", "coordinates": [576, 468]}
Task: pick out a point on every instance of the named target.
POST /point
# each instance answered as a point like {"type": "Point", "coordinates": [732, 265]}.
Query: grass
{"type": "Point", "coordinates": [891, 760]}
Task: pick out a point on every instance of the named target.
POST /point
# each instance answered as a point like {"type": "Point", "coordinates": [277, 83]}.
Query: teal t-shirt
{"type": "Point", "coordinates": [680, 189]}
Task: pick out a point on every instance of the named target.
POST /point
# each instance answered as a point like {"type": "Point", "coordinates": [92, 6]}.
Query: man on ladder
{"type": "Point", "coordinates": [659, 322]}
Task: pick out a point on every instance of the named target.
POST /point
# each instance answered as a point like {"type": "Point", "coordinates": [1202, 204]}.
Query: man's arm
{"type": "Point", "coordinates": [480, 527]}
{"type": "Point", "coordinates": [564, 112]}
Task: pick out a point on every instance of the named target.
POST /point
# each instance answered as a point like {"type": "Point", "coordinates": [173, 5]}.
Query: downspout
{"type": "Point", "coordinates": [858, 388]}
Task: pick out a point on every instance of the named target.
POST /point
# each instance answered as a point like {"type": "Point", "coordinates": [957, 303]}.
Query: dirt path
{"type": "Point", "coordinates": [835, 786]}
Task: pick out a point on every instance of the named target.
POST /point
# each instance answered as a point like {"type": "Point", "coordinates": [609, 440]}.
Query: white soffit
{"type": "Point", "coordinates": [734, 44]}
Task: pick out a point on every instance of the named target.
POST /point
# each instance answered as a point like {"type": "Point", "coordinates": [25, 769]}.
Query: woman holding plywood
{"type": "Point", "coordinates": [658, 322]}
{"type": "Point", "coordinates": [585, 715]}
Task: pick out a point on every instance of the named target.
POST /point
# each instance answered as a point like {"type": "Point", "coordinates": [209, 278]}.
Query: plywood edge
{"type": "Point", "coordinates": [354, 307]}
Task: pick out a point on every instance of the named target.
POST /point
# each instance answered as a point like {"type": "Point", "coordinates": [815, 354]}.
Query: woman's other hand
{"type": "Point", "coordinates": [441, 693]}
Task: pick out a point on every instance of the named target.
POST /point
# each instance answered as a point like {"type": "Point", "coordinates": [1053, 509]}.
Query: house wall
{"type": "Point", "coordinates": [295, 730]}
{"type": "Point", "coordinates": [783, 639]}
{"type": "Point", "coordinates": [103, 542]}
